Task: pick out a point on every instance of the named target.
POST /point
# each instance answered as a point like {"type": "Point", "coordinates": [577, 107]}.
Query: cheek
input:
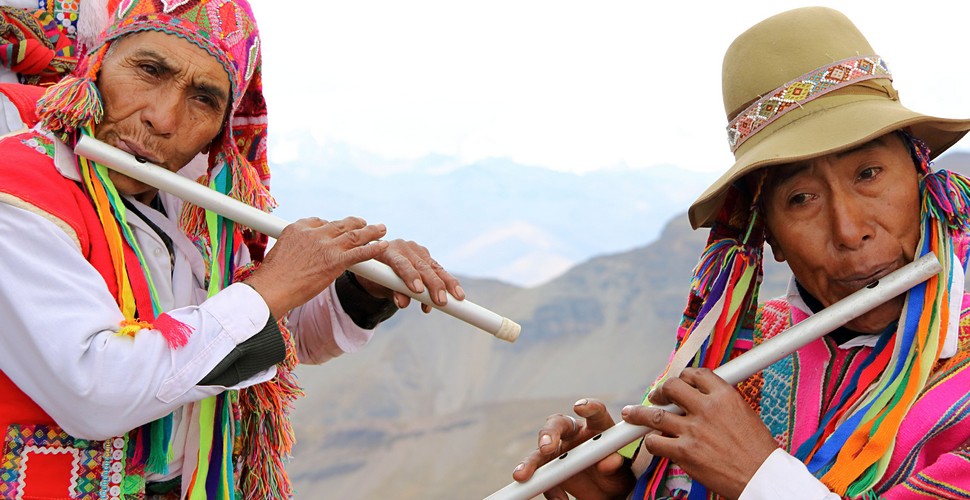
{"type": "Point", "coordinates": [903, 218]}
{"type": "Point", "coordinates": [121, 100]}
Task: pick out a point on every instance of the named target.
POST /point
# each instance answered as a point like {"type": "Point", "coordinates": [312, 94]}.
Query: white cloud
{"type": "Point", "coordinates": [569, 85]}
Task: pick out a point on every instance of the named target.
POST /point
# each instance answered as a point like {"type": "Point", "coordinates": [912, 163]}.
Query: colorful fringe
{"type": "Point", "coordinates": [852, 447]}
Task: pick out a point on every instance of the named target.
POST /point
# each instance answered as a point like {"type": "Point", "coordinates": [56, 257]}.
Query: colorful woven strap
{"type": "Point", "coordinates": [801, 90]}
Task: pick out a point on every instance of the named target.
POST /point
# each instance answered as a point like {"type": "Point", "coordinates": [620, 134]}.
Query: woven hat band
{"type": "Point", "coordinates": [802, 90]}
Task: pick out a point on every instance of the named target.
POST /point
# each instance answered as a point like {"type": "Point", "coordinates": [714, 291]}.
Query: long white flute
{"type": "Point", "coordinates": [272, 225]}
{"type": "Point", "coordinates": [600, 446]}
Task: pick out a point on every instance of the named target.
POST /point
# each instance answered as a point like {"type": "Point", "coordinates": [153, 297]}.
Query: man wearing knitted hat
{"type": "Point", "coordinates": [833, 173]}
{"type": "Point", "coordinates": [141, 353]}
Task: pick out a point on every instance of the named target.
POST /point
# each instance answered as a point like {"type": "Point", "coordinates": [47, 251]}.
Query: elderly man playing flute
{"type": "Point", "coordinates": [144, 348]}
{"type": "Point", "coordinates": [834, 174]}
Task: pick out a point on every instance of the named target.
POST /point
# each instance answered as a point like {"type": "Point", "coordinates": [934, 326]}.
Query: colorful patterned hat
{"type": "Point", "coordinates": [226, 29]}
{"type": "Point", "coordinates": [803, 84]}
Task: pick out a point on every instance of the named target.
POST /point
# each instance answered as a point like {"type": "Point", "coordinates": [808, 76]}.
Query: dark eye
{"type": "Point", "coordinates": [149, 69]}
{"type": "Point", "coordinates": [869, 173]}
{"type": "Point", "coordinates": [799, 199]}
{"type": "Point", "coordinates": [207, 101]}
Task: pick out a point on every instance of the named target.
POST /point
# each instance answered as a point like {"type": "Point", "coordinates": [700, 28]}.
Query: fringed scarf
{"type": "Point", "coordinates": [851, 449]}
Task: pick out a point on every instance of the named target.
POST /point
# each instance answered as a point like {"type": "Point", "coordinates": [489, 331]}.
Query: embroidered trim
{"type": "Point", "coordinates": [39, 143]}
{"type": "Point", "coordinates": [801, 90]}
{"type": "Point", "coordinates": [96, 470]}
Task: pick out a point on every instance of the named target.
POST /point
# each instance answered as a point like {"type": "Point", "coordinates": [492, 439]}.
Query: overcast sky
{"type": "Point", "coordinates": [573, 86]}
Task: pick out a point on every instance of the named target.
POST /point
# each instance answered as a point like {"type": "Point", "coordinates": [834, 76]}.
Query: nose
{"type": "Point", "coordinates": [852, 221]}
{"type": "Point", "coordinates": [161, 114]}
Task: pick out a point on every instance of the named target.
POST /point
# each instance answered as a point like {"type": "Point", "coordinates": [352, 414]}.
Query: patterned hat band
{"type": "Point", "coordinates": [801, 90]}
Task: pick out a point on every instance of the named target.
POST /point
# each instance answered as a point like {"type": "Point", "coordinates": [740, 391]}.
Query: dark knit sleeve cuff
{"type": "Point", "coordinates": [256, 354]}
{"type": "Point", "coordinates": [364, 309]}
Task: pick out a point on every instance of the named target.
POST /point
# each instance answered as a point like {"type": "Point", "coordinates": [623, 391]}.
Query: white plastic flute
{"type": "Point", "coordinates": [272, 225]}
{"type": "Point", "coordinates": [599, 447]}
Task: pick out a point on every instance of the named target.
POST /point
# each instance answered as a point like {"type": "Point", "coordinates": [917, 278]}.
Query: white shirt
{"type": "Point", "coordinates": [59, 342]}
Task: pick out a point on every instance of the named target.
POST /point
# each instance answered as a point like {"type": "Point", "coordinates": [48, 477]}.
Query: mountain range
{"type": "Point", "coordinates": [494, 218]}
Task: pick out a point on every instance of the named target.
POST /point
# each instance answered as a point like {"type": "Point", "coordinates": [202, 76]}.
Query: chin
{"type": "Point", "coordinates": [876, 320]}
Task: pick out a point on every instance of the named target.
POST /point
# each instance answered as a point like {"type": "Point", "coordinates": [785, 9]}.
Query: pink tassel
{"type": "Point", "coordinates": [175, 332]}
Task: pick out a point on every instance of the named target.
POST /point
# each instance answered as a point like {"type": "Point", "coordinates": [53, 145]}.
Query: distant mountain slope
{"type": "Point", "coordinates": [495, 218]}
{"type": "Point", "coordinates": [436, 409]}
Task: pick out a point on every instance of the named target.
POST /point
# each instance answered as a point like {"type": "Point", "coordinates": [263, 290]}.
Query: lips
{"type": "Point", "coordinates": [138, 152]}
{"type": "Point", "coordinates": [861, 278]}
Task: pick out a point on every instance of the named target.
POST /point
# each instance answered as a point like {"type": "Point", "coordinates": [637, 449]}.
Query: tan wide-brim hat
{"type": "Point", "coordinates": [803, 84]}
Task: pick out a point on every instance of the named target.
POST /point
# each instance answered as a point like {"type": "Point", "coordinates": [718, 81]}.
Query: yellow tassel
{"type": "Point", "coordinates": [130, 327]}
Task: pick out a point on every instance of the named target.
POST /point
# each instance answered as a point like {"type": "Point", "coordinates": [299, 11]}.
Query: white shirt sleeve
{"type": "Point", "coordinates": [60, 343]}
{"type": "Point", "coordinates": [784, 476]}
{"type": "Point", "coordinates": [323, 331]}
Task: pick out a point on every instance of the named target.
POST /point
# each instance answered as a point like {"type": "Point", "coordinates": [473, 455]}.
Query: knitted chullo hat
{"type": "Point", "coordinates": [797, 86]}
{"type": "Point", "coordinates": [246, 435]}
{"type": "Point", "coordinates": [227, 31]}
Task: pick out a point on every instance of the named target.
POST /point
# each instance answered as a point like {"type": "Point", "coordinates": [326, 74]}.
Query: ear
{"type": "Point", "coordinates": [776, 250]}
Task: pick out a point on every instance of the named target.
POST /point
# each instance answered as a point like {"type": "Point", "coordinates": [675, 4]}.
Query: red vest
{"type": "Point", "coordinates": [58, 465]}
{"type": "Point", "coordinates": [24, 98]}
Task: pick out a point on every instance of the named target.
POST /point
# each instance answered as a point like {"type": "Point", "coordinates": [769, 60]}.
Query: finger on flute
{"type": "Point", "coordinates": [271, 225]}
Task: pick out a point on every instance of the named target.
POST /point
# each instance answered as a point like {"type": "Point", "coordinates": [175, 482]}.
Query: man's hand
{"type": "Point", "coordinates": [609, 478]}
{"type": "Point", "coordinates": [414, 265]}
{"type": "Point", "coordinates": [309, 255]}
{"type": "Point", "coordinates": [719, 441]}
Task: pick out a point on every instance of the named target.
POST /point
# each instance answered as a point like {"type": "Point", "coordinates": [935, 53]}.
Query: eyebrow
{"type": "Point", "coordinates": [783, 173]}
{"type": "Point", "coordinates": [878, 141]}
{"type": "Point", "coordinates": [212, 90]}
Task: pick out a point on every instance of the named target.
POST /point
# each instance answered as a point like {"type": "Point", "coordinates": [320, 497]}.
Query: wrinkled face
{"type": "Point", "coordinates": [844, 220]}
{"type": "Point", "coordinates": [165, 100]}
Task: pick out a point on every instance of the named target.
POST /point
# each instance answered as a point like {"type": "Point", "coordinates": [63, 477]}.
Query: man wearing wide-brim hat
{"type": "Point", "coordinates": [833, 172]}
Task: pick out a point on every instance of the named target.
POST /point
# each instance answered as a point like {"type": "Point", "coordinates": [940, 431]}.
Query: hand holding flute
{"type": "Point", "coordinates": [720, 442]}
{"type": "Point", "coordinates": [400, 279]}
{"type": "Point", "coordinates": [312, 253]}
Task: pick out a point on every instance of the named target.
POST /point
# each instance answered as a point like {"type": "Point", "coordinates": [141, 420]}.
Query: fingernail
{"type": "Point", "coordinates": [397, 303]}
{"type": "Point", "coordinates": [459, 292]}
{"type": "Point", "coordinates": [545, 440]}
{"type": "Point", "coordinates": [581, 402]}
{"type": "Point", "coordinates": [626, 410]}
{"type": "Point", "coordinates": [418, 285]}
{"type": "Point", "coordinates": [651, 394]}
{"type": "Point", "coordinates": [519, 467]}
{"type": "Point", "coordinates": [442, 296]}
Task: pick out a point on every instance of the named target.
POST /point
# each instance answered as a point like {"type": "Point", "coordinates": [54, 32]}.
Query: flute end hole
{"type": "Point", "coordinates": [597, 437]}
{"type": "Point", "coordinates": [873, 284]}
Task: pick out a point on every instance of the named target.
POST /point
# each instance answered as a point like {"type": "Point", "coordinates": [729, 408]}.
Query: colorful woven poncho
{"type": "Point", "coordinates": [245, 435]}
{"type": "Point", "coordinates": [851, 449]}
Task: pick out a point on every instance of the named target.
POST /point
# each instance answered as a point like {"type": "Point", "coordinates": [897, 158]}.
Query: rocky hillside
{"type": "Point", "coordinates": [433, 408]}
